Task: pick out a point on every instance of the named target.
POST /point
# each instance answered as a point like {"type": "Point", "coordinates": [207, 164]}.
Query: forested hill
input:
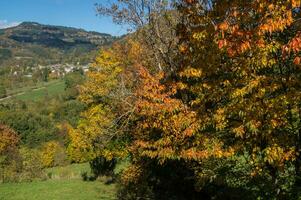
{"type": "Point", "coordinates": [32, 43]}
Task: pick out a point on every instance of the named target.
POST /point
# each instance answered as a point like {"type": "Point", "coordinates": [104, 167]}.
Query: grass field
{"type": "Point", "coordinates": [38, 91]}
{"type": "Point", "coordinates": [58, 190]}
{"type": "Point", "coordinates": [65, 184]}
{"type": "Point", "coordinates": [50, 89]}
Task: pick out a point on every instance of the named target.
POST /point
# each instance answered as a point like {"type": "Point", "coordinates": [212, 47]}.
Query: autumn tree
{"type": "Point", "coordinates": [109, 98]}
{"type": "Point", "coordinates": [245, 83]}
{"type": "Point", "coordinates": [154, 24]}
{"type": "Point", "coordinates": [220, 111]}
{"type": "Point", "coordinates": [52, 154]}
{"type": "Point", "coordinates": [9, 141]}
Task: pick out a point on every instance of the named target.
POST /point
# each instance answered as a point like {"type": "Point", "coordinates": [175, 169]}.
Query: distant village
{"type": "Point", "coordinates": [54, 70]}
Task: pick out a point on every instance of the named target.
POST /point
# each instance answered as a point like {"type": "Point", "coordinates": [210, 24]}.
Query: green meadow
{"type": "Point", "coordinates": [65, 184]}
{"type": "Point", "coordinates": [50, 89]}
{"type": "Point", "coordinates": [38, 92]}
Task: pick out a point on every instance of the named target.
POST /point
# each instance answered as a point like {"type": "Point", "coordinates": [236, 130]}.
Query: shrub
{"type": "Point", "coordinates": [53, 154]}
{"type": "Point", "coordinates": [101, 166]}
{"type": "Point", "coordinates": [24, 165]}
{"type": "Point", "coordinates": [9, 157]}
{"type": "Point", "coordinates": [32, 167]}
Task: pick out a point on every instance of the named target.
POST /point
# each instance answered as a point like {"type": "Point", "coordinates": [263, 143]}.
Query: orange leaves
{"type": "Point", "coordinates": [254, 108]}
{"type": "Point", "coordinates": [190, 1]}
{"type": "Point", "coordinates": [223, 26]}
{"type": "Point", "coordinates": [260, 43]}
{"type": "Point", "coordinates": [245, 32]}
{"type": "Point", "coordinates": [296, 3]}
{"type": "Point", "coordinates": [131, 174]}
{"type": "Point", "coordinates": [8, 139]}
{"type": "Point", "coordinates": [273, 25]}
{"type": "Point", "coordinates": [191, 73]}
{"type": "Point", "coordinates": [211, 149]}
{"type": "Point", "coordinates": [236, 43]}
{"type": "Point", "coordinates": [276, 155]}
{"type": "Point", "coordinates": [293, 47]}
{"type": "Point", "coordinates": [275, 16]}
{"type": "Point", "coordinates": [297, 60]}
{"type": "Point", "coordinates": [295, 44]}
{"type": "Point", "coordinates": [163, 117]}
{"type": "Point", "coordinates": [222, 43]}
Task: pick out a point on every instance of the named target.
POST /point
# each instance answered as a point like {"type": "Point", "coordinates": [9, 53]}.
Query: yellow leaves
{"type": "Point", "coordinates": [94, 126]}
{"type": "Point", "coordinates": [80, 148]}
{"type": "Point", "coordinates": [199, 36]}
{"type": "Point", "coordinates": [254, 125]}
{"type": "Point", "coordinates": [191, 73]}
{"type": "Point", "coordinates": [49, 152]}
{"type": "Point", "coordinates": [258, 170]}
{"type": "Point", "coordinates": [183, 48]}
{"type": "Point", "coordinates": [220, 119]}
{"type": "Point", "coordinates": [239, 131]}
{"type": "Point", "coordinates": [253, 108]}
{"type": "Point", "coordinates": [131, 174]}
{"type": "Point", "coordinates": [250, 87]}
{"type": "Point", "coordinates": [274, 123]}
{"type": "Point", "coordinates": [104, 77]}
{"type": "Point", "coordinates": [276, 155]}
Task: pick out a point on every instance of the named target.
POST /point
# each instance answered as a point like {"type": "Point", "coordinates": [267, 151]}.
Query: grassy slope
{"type": "Point", "coordinates": [65, 184]}
{"type": "Point", "coordinates": [39, 91]}
{"type": "Point", "coordinates": [56, 190]}
{"type": "Point", "coordinates": [54, 88]}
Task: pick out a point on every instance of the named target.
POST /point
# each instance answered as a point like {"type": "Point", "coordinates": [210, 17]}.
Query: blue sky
{"type": "Point", "coordinates": [72, 13]}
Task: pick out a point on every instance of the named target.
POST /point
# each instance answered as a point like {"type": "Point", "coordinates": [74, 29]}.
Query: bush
{"type": "Point", "coordinates": [32, 168]}
{"type": "Point", "coordinates": [9, 155]}
{"type": "Point", "coordinates": [149, 180]}
{"type": "Point", "coordinates": [53, 154]}
{"type": "Point", "coordinates": [87, 176]}
{"type": "Point", "coordinates": [100, 166]}
{"type": "Point", "coordinates": [24, 165]}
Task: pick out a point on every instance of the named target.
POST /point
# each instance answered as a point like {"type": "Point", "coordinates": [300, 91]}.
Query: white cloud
{"type": "Point", "coordinates": [6, 24]}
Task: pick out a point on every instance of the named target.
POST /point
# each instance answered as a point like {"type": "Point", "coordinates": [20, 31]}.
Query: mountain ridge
{"type": "Point", "coordinates": [47, 44]}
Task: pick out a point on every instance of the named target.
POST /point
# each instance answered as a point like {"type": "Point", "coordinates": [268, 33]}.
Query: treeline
{"type": "Point", "coordinates": [203, 99]}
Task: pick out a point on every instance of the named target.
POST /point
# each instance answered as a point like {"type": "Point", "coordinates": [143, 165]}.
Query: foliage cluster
{"type": "Point", "coordinates": [37, 135]}
{"type": "Point", "coordinates": [221, 121]}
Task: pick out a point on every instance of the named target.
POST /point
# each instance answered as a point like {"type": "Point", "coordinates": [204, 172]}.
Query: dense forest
{"type": "Point", "coordinates": [201, 100]}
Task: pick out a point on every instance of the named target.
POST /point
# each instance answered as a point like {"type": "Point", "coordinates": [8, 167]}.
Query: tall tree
{"type": "Point", "coordinates": [155, 24]}
{"type": "Point", "coordinates": [245, 59]}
